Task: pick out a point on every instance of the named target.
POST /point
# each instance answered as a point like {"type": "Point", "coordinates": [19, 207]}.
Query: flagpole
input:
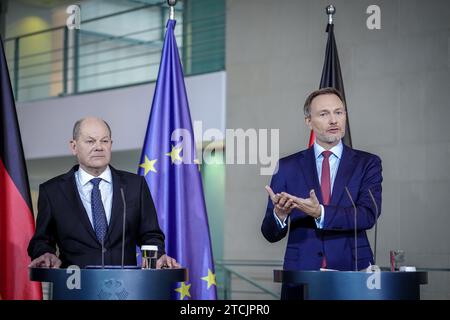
{"type": "Point", "coordinates": [330, 10]}
{"type": "Point", "coordinates": [174, 184]}
{"type": "Point", "coordinates": [172, 4]}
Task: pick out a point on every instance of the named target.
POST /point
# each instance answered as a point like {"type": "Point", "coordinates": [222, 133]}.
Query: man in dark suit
{"type": "Point", "coordinates": [81, 212]}
{"type": "Point", "coordinates": [310, 188]}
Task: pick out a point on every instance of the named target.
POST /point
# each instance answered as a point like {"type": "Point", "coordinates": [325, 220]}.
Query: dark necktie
{"type": "Point", "coordinates": [98, 211]}
{"type": "Point", "coordinates": [325, 186]}
{"type": "Point", "coordinates": [325, 181]}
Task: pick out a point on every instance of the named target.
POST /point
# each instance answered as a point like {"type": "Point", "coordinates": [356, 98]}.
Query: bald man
{"type": "Point", "coordinates": [81, 211]}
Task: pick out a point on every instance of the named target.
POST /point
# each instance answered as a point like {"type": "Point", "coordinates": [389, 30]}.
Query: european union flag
{"type": "Point", "coordinates": [171, 170]}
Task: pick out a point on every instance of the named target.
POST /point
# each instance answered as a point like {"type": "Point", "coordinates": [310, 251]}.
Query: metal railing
{"type": "Point", "coordinates": [112, 50]}
{"type": "Point", "coordinates": [228, 274]}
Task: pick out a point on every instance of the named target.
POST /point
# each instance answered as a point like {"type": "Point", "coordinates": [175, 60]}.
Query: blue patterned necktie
{"type": "Point", "coordinates": [98, 211]}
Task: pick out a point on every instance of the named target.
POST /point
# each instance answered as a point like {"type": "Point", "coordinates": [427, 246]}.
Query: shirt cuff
{"type": "Point", "coordinates": [320, 220]}
{"type": "Point", "coordinates": [281, 224]}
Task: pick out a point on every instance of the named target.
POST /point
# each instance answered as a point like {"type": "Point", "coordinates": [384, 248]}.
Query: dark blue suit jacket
{"type": "Point", "coordinates": [297, 174]}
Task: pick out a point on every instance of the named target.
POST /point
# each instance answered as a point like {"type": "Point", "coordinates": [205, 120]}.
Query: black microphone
{"type": "Point", "coordinates": [376, 225]}
{"type": "Point", "coordinates": [356, 239]}
{"type": "Point", "coordinates": [124, 215]}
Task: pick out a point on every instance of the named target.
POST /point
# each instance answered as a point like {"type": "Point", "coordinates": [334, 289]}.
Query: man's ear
{"type": "Point", "coordinates": [73, 147]}
{"type": "Point", "coordinates": [308, 122]}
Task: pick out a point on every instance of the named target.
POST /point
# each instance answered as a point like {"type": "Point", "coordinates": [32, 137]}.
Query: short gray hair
{"type": "Point", "coordinates": [77, 126]}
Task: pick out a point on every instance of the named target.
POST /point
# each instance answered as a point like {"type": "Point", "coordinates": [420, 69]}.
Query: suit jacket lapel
{"type": "Point", "coordinates": [309, 169]}
{"type": "Point", "coordinates": [343, 175]}
{"type": "Point", "coordinates": [117, 203]}
{"type": "Point", "coordinates": [70, 190]}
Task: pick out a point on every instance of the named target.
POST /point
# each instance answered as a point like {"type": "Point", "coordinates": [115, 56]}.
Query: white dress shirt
{"type": "Point", "coordinates": [84, 186]}
{"type": "Point", "coordinates": [334, 160]}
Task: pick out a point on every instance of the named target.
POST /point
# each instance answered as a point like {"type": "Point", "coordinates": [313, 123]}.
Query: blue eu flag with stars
{"type": "Point", "coordinates": [171, 169]}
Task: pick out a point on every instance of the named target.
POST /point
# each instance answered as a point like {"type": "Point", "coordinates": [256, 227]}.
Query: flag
{"type": "Point", "coordinates": [171, 170]}
{"type": "Point", "coordinates": [16, 213]}
{"type": "Point", "coordinates": [332, 77]}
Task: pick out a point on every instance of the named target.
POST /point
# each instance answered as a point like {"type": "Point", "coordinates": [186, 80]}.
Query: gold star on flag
{"type": "Point", "coordinates": [183, 290]}
{"type": "Point", "coordinates": [175, 154]}
{"type": "Point", "coordinates": [210, 278]}
{"type": "Point", "coordinates": [148, 165]}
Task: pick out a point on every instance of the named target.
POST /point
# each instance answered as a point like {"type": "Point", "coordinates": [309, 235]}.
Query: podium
{"type": "Point", "coordinates": [355, 285]}
{"type": "Point", "coordinates": [109, 284]}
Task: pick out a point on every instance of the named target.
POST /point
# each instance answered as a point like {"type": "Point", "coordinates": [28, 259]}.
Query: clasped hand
{"type": "Point", "coordinates": [284, 203]}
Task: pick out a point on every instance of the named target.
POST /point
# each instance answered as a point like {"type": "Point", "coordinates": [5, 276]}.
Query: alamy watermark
{"type": "Point", "coordinates": [74, 19]}
{"type": "Point", "coordinates": [250, 146]}
{"type": "Point", "coordinates": [374, 280]}
{"type": "Point", "coordinates": [374, 20]}
{"type": "Point", "coordinates": [74, 280]}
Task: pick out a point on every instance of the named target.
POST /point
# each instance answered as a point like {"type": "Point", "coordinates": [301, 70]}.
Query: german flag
{"type": "Point", "coordinates": [16, 213]}
{"type": "Point", "coordinates": [332, 77]}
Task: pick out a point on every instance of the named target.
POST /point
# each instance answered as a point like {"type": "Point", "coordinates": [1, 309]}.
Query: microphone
{"type": "Point", "coordinates": [356, 239]}
{"type": "Point", "coordinates": [124, 215]}
{"type": "Point", "coordinates": [103, 253]}
{"type": "Point", "coordinates": [376, 225]}
{"type": "Point", "coordinates": [122, 266]}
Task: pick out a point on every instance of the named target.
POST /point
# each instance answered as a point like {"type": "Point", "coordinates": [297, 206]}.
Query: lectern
{"type": "Point", "coordinates": [355, 285]}
{"type": "Point", "coordinates": [109, 284]}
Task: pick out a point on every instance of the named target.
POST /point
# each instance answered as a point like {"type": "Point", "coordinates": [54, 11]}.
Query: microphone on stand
{"type": "Point", "coordinates": [355, 221]}
{"type": "Point", "coordinates": [122, 266]}
{"type": "Point", "coordinates": [103, 253]}
{"type": "Point", "coordinates": [124, 215]}
{"type": "Point", "coordinates": [376, 225]}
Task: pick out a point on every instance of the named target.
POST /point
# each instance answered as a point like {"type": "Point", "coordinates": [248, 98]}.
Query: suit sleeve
{"type": "Point", "coordinates": [43, 240]}
{"type": "Point", "coordinates": [149, 231]}
{"type": "Point", "coordinates": [270, 228]}
{"type": "Point", "coordinates": [343, 217]}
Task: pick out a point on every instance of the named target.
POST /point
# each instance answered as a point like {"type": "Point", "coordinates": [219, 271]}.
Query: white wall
{"type": "Point", "coordinates": [46, 125]}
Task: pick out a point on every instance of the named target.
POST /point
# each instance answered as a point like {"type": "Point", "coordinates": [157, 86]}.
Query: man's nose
{"type": "Point", "coordinates": [98, 146]}
{"type": "Point", "coordinates": [333, 119]}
